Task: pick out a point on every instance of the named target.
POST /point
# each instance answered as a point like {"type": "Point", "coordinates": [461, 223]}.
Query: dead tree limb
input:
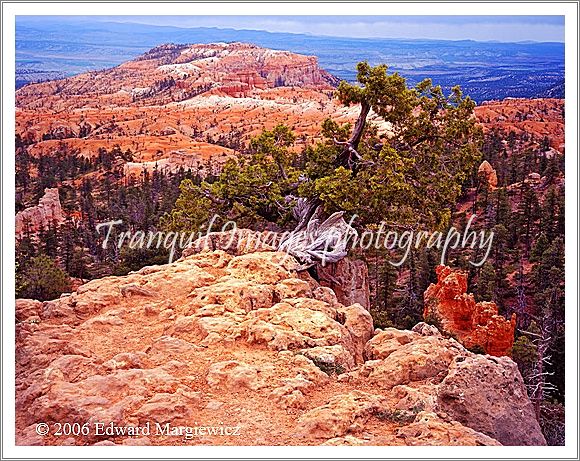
{"type": "Point", "coordinates": [326, 242]}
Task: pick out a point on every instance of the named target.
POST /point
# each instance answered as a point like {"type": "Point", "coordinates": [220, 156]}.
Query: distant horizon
{"type": "Point", "coordinates": [309, 34]}
{"type": "Point", "coordinates": [486, 69]}
{"type": "Point", "coordinates": [490, 29]}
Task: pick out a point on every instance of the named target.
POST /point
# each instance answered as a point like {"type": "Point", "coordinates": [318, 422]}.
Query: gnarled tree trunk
{"type": "Point", "coordinates": [314, 241]}
{"type": "Point", "coordinates": [326, 242]}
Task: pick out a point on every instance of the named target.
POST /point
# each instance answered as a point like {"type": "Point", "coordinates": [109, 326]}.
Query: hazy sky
{"type": "Point", "coordinates": [501, 28]}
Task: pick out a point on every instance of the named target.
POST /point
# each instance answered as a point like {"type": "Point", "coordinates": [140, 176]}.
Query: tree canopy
{"type": "Point", "coordinates": [42, 279]}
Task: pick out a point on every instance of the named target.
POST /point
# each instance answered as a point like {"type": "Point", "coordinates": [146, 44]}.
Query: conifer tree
{"type": "Point", "coordinates": [353, 169]}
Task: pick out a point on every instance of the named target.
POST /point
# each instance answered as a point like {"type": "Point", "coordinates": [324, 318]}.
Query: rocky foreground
{"type": "Point", "coordinates": [246, 342]}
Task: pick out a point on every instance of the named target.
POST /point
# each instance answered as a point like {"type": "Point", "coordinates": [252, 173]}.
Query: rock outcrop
{"type": "Point", "coordinates": [488, 174]}
{"type": "Point", "coordinates": [348, 278]}
{"type": "Point", "coordinates": [42, 216]}
{"type": "Point", "coordinates": [169, 73]}
{"type": "Point", "coordinates": [475, 325]}
{"type": "Point", "coordinates": [247, 344]}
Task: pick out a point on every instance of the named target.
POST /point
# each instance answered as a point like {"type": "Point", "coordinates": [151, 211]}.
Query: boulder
{"type": "Point", "coordinates": [431, 428]}
{"type": "Point", "coordinates": [480, 392]}
{"type": "Point", "coordinates": [342, 413]}
{"type": "Point", "coordinates": [419, 360]}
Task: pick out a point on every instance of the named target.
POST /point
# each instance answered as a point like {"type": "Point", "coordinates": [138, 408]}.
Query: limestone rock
{"type": "Point", "coordinates": [330, 359]}
{"type": "Point", "coordinates": [167, 407]}
{"type": "Point", "coordinates": [42, 216]}
{"type": "Point", "coordinates": [249, 341]}
{"type": "Point", "coordinates": [126, 361]}
{"type": "Point", "coordinates": [286, 327]}
{"type": "Point", "coordinates": [421, 359]}
{"type": "Point", "coordinates": [293, 288]}
{"type": "Point", "coordinates": [386, 342]}
{"type": "Point", "coordinates": [488, 174]}
{"type": "Point", "coordinates": [262, 267]}
{"type": "Point", "coordinates": [236, 242]}
{"type": "Point", "coordinates": [341, 414]}
{"type": "Point", "coordinates": [233, 374]}
{"type": "Point", "coordinates": [359, 323]}
{"type": "Point", "coordinates": [432, 429]}
{"type": "Point", "coordinates": [348, 278]}
{"type": "Point", "coordinates": [479, 392]}
{"type": "Point", "coordinates": [348, 440]}
{"type": "Point", "coordinates": [291, 393]}
{"type": "Point", "coordinates": [27, 308]}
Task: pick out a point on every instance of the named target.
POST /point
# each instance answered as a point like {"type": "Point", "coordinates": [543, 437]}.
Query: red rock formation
{"type": "Point", "coordinates": [537, 117]}
{"type": "Point", "coordinates": [172, 73]}
{"type": "Point", "coordinates": [448, 304]}
{"type": "Point", "coordinates": [176, 97]}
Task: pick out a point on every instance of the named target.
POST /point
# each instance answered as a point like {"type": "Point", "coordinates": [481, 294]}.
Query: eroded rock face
{"type": "Point", "coordinates": [465, 397]}
{"type": "Point", "coordinates": [488, 174]}
{"type": "Point", "coordinates": [347, 278]}
{"type": "Point", "coordinates": [242, 341]}
{"type": "Point", "coordinates": [542, 115]}
{"type": "Point", "coordinates": [171, 72]}
{"type": "Point", "coordinates": [475, 325]}
{"type": "Point", "coordinates": [42, 216]}
{"type": "Point", "coordinates": [196, 96]}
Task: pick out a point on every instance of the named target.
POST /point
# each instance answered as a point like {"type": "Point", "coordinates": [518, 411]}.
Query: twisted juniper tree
{"type": "Point", "coordinates": [403, 162]}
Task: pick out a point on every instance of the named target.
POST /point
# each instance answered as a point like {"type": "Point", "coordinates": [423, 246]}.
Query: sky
{"type": "Point", "coordinates": [481, 28]}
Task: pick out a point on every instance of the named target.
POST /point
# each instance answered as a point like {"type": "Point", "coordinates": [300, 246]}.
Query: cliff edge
{"type": "Point", "coordinates": [246, 343]}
